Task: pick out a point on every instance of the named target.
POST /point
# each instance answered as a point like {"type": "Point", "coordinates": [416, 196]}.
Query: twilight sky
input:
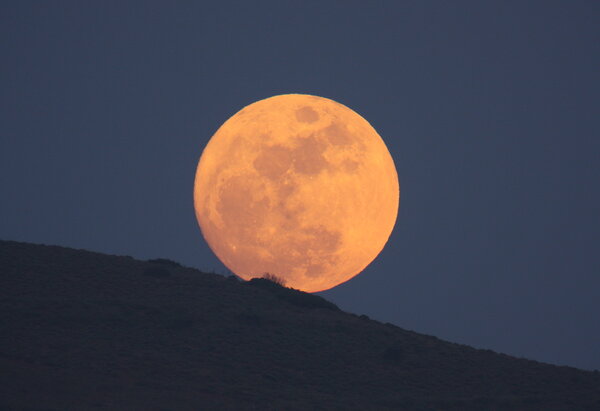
{"type": "Point", "coordinates": [489, 109]}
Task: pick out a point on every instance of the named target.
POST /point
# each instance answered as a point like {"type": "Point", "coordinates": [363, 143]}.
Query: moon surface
{"type": "Point", "coordinates": [297, 186]}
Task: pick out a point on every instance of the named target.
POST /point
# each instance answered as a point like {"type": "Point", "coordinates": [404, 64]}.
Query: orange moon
{"type": "Point", "coordinates": [297, 186]}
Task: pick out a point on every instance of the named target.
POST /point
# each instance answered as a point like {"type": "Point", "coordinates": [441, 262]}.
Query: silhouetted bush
{"type": "Point", "coordinates": [157, 272]}
{"type": "Point", "coordinates": [295, 297]}
{"type": "Point", "coordinates": [273, 278]}
{"type": "Point", "coordinates": [164, 261]}
{"type": "Point", "coordinates": [265, 283]}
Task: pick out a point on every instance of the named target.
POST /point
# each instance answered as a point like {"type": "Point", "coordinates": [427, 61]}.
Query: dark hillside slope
{"type": "Point", "coordinates": [82, 330]}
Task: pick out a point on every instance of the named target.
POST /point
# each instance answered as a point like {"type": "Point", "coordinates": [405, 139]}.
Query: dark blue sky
{"type": "Point", "coordinates": [490, 111]}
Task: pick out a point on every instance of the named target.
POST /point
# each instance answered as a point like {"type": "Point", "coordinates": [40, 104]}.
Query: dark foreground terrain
{"type": "Point", "coordinates": [81, 330]}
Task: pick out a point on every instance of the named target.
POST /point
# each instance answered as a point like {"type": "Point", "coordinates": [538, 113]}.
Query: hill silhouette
{"type": "Point", "coordinates": [81, 331]}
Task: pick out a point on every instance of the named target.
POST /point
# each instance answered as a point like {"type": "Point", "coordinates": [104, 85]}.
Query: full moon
{"type": "Point", "coordinates": [296, 186]}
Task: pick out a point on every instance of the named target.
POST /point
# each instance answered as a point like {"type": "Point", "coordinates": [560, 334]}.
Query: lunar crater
{"type": "Point", "coordinates": [273, 162]}
{"type": "Point", "coordinates": [307, 114]}
{"type": "Point", "coordinates": [308, 156]}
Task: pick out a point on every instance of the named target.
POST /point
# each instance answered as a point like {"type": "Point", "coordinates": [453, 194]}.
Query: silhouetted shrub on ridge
{"type": "Point", "coordinates": [265, 283]}
{"type": "Point", "coordinates": [273, 278]}
{"type": "Point", "coordinates": [292, 296]}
